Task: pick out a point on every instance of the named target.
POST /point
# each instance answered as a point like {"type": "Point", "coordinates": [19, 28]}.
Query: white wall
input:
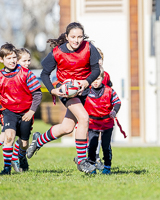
{"type": "Point", "coordinates": [110, 33]}
{"type": "Point", "coordinates": [150, 79]}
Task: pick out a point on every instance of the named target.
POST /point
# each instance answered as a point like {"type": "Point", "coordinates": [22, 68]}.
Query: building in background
{"type": "Point", "coordinates": [125, 31]}
{"type": "Point", "coordinates": [128, 33]}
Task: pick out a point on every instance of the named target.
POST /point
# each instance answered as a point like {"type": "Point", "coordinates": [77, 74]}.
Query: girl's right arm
{"type": "Point", "coordinates": [49, 64]}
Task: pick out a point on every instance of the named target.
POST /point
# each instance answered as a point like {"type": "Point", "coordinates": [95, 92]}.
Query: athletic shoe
{"type": "Point", "coordinates": [33, 146]}
{"type": "Point", "coordinates": [24, 163]}
{"type": "Point", "coordinates": [106, 171]}
{"type": "Point", "coordinates": [99, 165]}
{"type": "Point", "coordinates": [94, 172]}
{"type": "Point", "coordinates": [6, 171]}
{"type": "Point", "coordinates": [85, 166]}
{"type": "Point", "coordinates": [15, 165]}
{"type": "Point", "coordinates": [75, 159]}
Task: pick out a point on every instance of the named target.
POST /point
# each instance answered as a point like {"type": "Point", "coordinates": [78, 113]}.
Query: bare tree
{"type": "Point", "coordinates": [29, 23]}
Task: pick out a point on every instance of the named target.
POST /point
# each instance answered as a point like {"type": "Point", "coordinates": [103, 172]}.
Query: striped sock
{"type": "Point", "coordinates": [1, 143]}
{"type": "Point", "coordinates": [15, 152]}
{"type": "Point", "coordinates": [46, 137]}
{"type": "Point", "coordinates": [81, 145]}
{"type": "Point", "coordinates": [7, 155]}
{"type": "Point", "coordinates": [21, 153]}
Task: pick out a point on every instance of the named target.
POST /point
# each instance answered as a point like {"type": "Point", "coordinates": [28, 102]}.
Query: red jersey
{"type": "Point", "coordinates": [14, 92]}
{"type": "Point", "coordinates": [99, 109]}
{"type": "Point", "coordinates": [74, 65]}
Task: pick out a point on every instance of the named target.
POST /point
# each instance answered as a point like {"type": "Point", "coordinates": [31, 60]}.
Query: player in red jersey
{"type": "Point", "coordinates": [20, 96]}
{"type": "Point", "coordinates": [23, 59]}
{"type": "Point", "coordinates": [106, 81]}
{"type": "Point", "coordinates": [102, 105]}
{"type": "Point", "coordinates": [75, 58]}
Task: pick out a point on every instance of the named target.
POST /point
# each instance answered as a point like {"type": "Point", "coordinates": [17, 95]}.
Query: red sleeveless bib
{"type": "Point", "coordinates": [14, 92]}
{"type": "Point", "coordinates": [74, 65]}
{"type": "Point", "coordinates": [99, 108]}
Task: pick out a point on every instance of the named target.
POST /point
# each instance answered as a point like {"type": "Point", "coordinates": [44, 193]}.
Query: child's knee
{"type": "Point", "coordinates": [68, 130]}
{"type": "Point", "coordinates": [84, 119]}
{"type": "Point", "coordinates": [9, 139]}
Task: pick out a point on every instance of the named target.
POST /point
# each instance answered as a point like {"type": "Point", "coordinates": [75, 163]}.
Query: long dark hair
{"type": "Point", "coordinates": [62, 37]}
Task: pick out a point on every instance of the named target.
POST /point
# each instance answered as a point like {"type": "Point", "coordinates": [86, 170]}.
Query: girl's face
{"type": "Point", "coordinates": [97, 82]}
{"type": "Point", "coordinates": [75, 39]}
{"type": "Point", "coordinates": [25, 60]}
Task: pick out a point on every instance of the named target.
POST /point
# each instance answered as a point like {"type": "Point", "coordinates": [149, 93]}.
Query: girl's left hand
{"type": "Point", "coordinates": [28, 115]}
{"type": "Point", "coordinates": [112, 114]}
{"type": "Point", "coordinates": [83, 85]}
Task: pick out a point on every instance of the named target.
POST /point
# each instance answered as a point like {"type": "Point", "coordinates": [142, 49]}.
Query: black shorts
{"type": "Point", "coordinates": [14, 121]}
{"type": "Point", "coordinates": [82, 97]}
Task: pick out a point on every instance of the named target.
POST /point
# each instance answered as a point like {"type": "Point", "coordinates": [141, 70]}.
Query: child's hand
{"type": "Point", "coordinates": [28, 115]}
{"type": "Point", "coordinates": [83, 85]}
{"type": "Point", "coordinates": [57, 92]}
{"type": "Point", "coordinates": [112, 114]}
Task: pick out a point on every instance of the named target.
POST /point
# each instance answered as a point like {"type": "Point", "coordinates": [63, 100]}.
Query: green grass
{"type": "Point", "coordinates": [53, 175]}
{"type": "Point", "coordinates": [42, 127]}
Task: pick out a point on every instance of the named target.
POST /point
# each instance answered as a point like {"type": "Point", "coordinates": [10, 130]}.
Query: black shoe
{"type": "Point", "coordinates": [24, 163]}
{"type": "Point", "coordinates": [85, 166]}
{"type": "Point", "coordinates": [33, 146]}
{"type": "Point", "coordinates": [6, 171]}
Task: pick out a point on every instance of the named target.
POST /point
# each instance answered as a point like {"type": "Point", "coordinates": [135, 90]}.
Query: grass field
{"type": "Point", "coordinates": [53, 175]}
{"type": "Point", "coordinates": [40, 126]}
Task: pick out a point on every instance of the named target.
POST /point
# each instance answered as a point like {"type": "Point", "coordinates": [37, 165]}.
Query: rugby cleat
{"type": "Point", "coordinates": [85, 166]}
{"type": "Point", "coordinates": [75, 159]}
{"type": "Point", "coordinates": [16, 166]}
{"type": "Point", "coordinates": [94, 172]}
{"type": "Point", "coordinates": [6, 171]}
{"type": "Point", "coordinates": [33, 146]}
{"type": "Point", "coordinates": [106, 171]}
{"type": "Point", "coordinates": [99, 165]}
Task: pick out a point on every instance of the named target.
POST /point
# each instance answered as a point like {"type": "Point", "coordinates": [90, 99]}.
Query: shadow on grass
{"type": "Point", "coordinates": [116, 170]}
{"type": "Point", "coordinates": [56, 172]}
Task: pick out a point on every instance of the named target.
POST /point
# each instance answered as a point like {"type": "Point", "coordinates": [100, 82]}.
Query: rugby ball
{"type": "Point", "coordinates": [70, 87]}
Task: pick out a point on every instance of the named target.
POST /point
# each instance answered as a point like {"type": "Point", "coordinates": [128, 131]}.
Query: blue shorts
{"type": "Point", "coordinates": [14, 121]}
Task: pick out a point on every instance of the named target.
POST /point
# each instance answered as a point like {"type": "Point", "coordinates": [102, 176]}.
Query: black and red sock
{"type": "Point", "coordinates": [46, 137]}
{"type": "Point", "coordinates": [15, 152]}
{"type": "Point", "coordinates": [81, 146]}
{"type": "Point", "coordinates": [7, 155]}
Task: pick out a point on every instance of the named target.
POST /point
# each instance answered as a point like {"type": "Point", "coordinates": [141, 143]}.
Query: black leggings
{"type": "Point", "coordinates": [106, 146]}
